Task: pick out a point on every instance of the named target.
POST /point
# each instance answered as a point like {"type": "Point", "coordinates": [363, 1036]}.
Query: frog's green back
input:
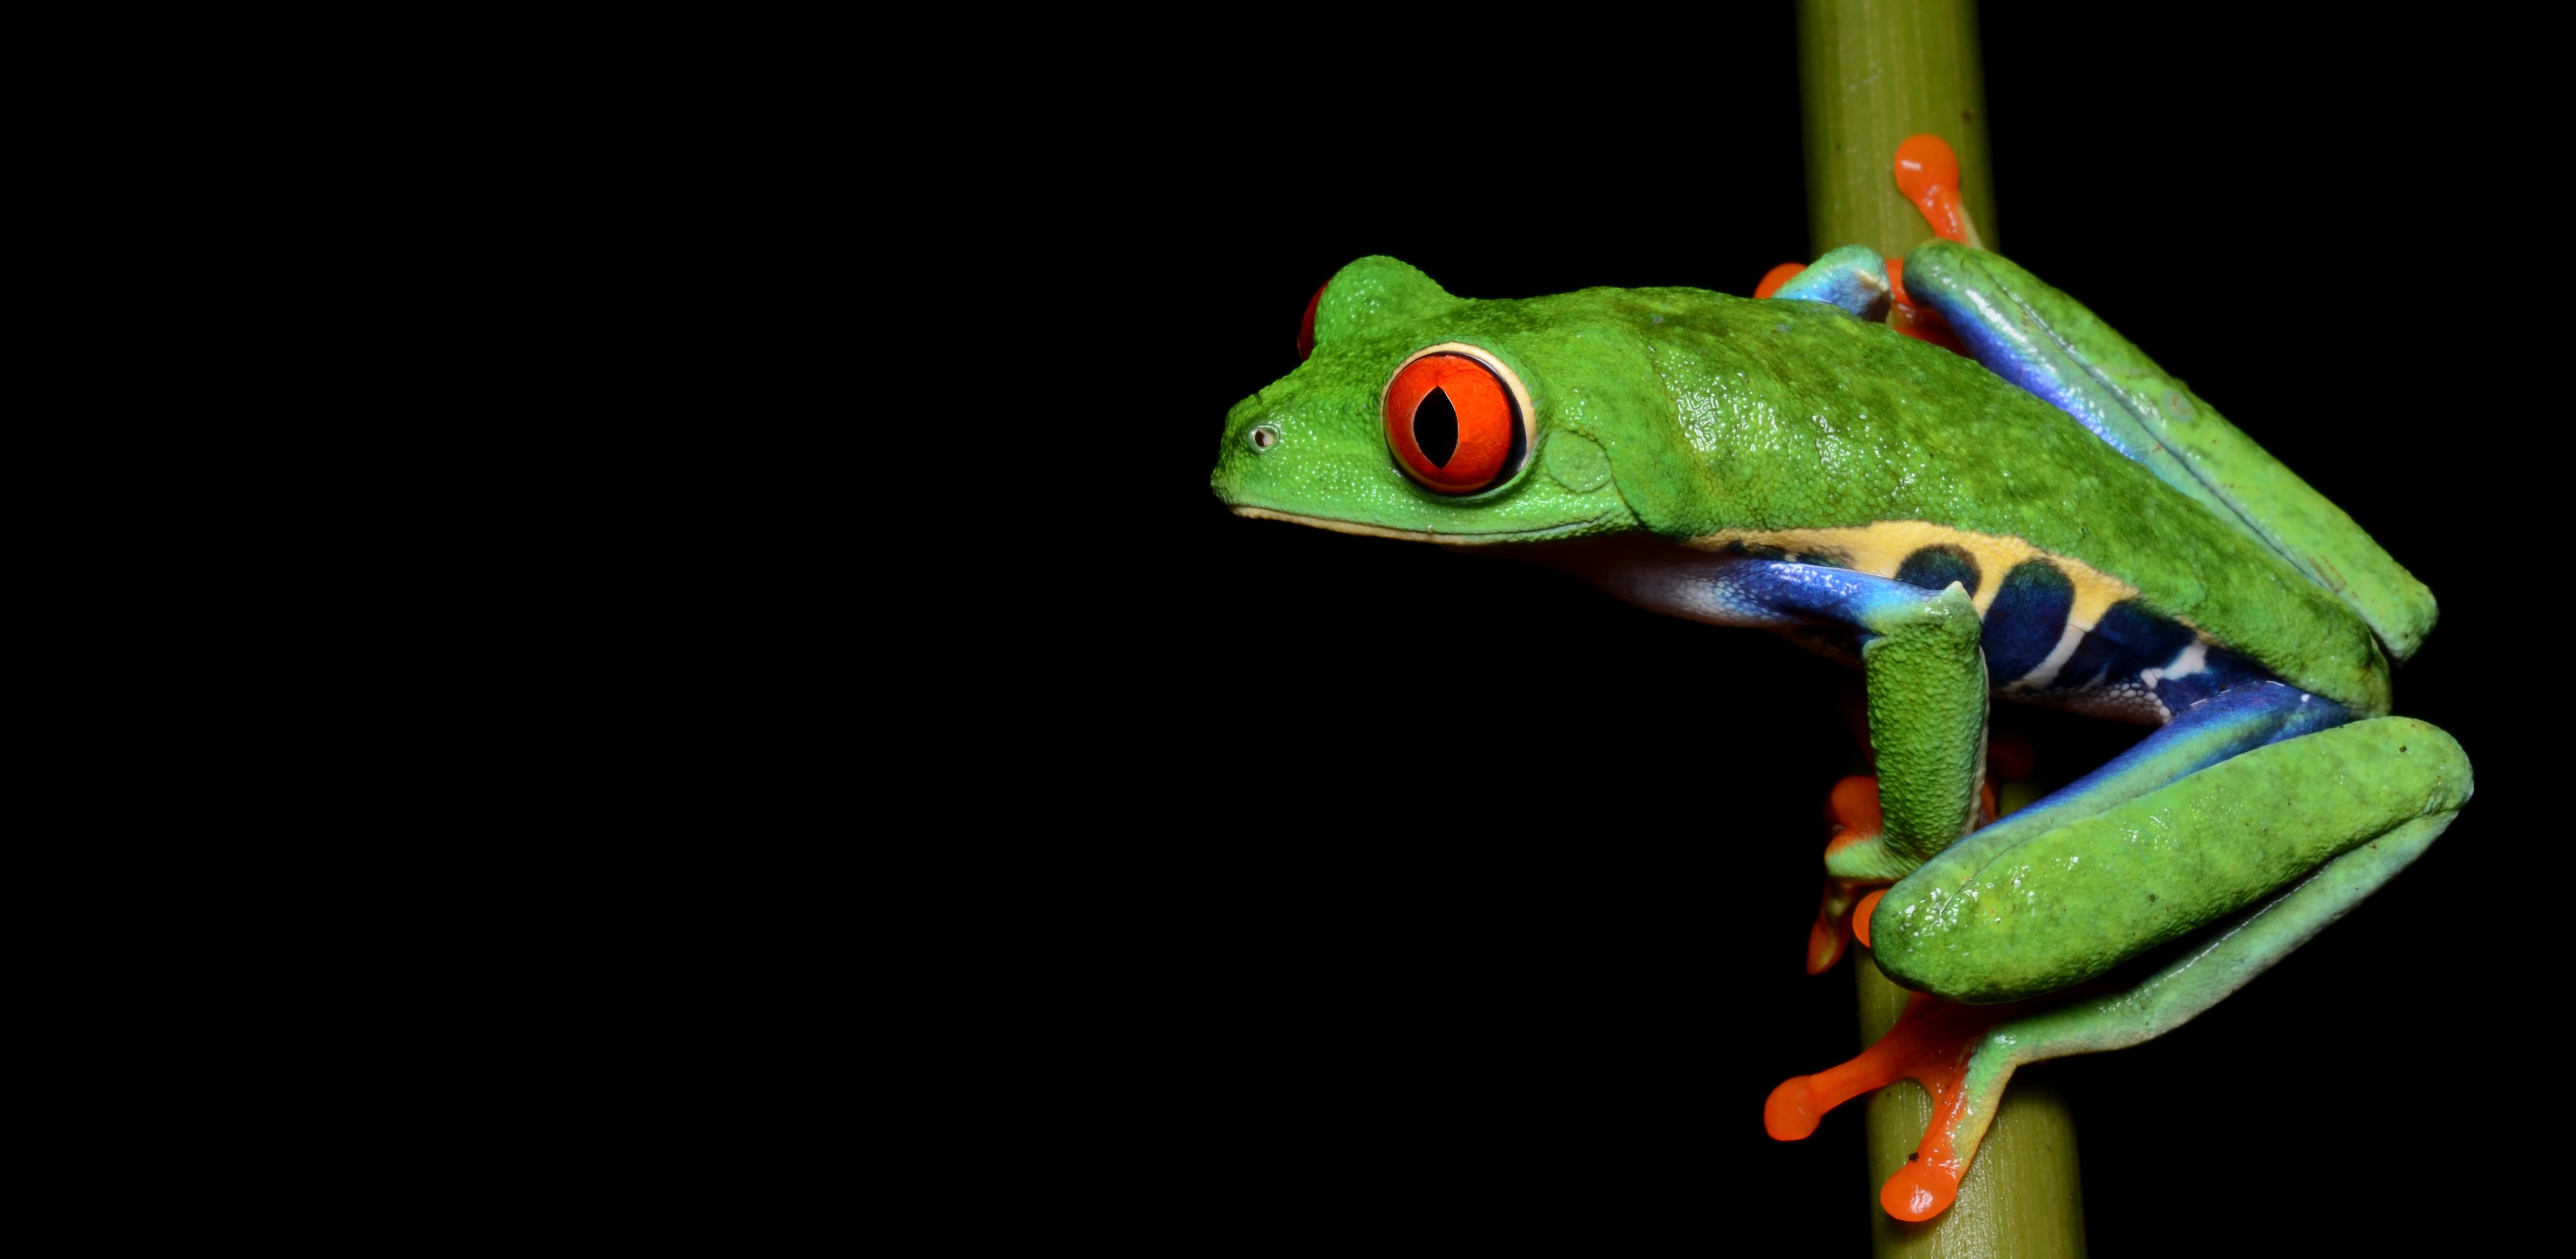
{"type": "Point", "coordinates": [1723, 417]}
{"type": "Point", "coordinates": [1796, 416]}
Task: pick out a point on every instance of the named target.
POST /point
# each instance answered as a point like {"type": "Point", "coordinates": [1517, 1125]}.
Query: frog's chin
{"type": "Point", "coordinates": [1416, 535]}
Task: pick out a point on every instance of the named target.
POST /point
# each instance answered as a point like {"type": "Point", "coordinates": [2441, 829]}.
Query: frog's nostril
{"type": "Point", "coordinates": [1262, 437]}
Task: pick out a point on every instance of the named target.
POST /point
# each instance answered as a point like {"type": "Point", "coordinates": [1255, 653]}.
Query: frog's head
{"type": "Point", "coordinates": [1437, 418]}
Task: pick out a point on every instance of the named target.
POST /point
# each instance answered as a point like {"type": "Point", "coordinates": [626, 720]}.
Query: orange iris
{"type": "Point", "coordinates": [1417, 428]}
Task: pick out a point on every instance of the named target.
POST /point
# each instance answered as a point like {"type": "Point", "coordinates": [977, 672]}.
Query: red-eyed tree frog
{"type": "Point", "coordinates": [1957, 478]}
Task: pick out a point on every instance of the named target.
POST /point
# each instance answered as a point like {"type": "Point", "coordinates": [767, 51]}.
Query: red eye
{"type": "Point", "coordinates": [1453, 424]}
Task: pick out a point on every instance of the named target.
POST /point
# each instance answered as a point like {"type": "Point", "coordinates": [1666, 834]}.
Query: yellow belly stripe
{"type": "Point", "coordinates": [1880, 549]}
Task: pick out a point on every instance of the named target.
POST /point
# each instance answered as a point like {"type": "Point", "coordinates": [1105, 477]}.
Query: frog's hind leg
{"type": "Point", "coordinates": [2202, 735]}
{"type": "Point", "coordinates": [2034, 906]}
{"type": "Point", "coordinates": [2048, 343]}
{"type": "Point", "coordinates": [2287, 836]}
{"type": "Point", "coordinates": [1968, 1086]}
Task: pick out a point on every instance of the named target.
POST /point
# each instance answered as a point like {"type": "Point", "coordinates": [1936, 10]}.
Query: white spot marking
{"type": "Point", "coordinates": [2192, 659]}
{"type": "Point", "coordinates": [2045, 671]}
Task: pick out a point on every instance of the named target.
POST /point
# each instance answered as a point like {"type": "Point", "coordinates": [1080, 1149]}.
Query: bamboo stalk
{"type": "Point", "coordinates": [2022, 1198]}
{"type": "Point", "coordinates": [1872, 72]}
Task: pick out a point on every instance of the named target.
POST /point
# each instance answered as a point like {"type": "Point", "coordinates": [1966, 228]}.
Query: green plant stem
{"type": "Point", "coordinates": [1872, 72]}
{"type": "Point", "coordinates": [2022, 1198]}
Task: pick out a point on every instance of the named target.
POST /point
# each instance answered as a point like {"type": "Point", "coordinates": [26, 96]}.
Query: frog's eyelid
{"type": "Point", "coordinates": [1501, 370]}
{"type": "Point", "coordinates": [1306, 329]}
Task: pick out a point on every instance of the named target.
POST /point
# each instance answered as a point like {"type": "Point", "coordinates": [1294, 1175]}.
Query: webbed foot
{"type": "Point", "coordinates": [1855, 823]}
{"type": "Point", "coordinates": [1935, 1044]}
{"type": "Point", "coordinates": [1852, 811]}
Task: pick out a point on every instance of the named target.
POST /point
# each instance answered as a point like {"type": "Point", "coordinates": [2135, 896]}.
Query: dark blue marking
{"type": "Point", "coordinates": [2151, 638]}
{"type": "Point", "coordinates": [2026, 619]}
{"type": "Point", "coordinates": [1935, 567]}
{"type": "Point", "coordinates": [2127, 638]}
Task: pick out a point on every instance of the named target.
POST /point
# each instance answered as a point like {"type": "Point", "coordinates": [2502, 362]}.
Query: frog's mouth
{"type": "Point", "coordinates": [1417, 535]}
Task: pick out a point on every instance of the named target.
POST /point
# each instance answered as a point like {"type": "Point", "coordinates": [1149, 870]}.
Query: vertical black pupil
{"type": "Point", "coordinates": [1435, 428]}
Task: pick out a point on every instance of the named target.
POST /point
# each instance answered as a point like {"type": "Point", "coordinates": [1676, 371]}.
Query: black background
{"type": "Point", "coordinates": [1526, 966]}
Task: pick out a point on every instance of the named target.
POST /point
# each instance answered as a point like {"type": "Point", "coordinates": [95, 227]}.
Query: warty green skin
{"type": "Point", "coordinates": [2151, 869]}
{"type": "Point", "coordinates": [1683, 413]}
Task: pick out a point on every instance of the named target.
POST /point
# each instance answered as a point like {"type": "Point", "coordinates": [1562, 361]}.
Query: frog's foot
{"type": "Point", "coordinates": [1936, 1044]}
{"type": "Point", "coordinates": [1927, 172]}
{"type": "Point", "coordinates": [1859, 852]}
{"type": "Point", "coordinates": [1857, 280]}
{"type": "Point", "coordinates": [1914, 319]}
{"type": "Point", "coordinates": [1852, 809]}
{"type": "Point", "coordinates": [1873, 290]}
{"type": "Point", "coordinates": [1858, 823]}
{"type": "Point", "coordinates": [1831, 934]}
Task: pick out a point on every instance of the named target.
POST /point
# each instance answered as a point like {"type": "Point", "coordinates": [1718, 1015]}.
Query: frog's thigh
{"type": "Point", "coordinates": [2049, 344]}
{"type": "Point", "coordinates": [2200, 736]}
{"type": "Point", "coordinates": [2074, 900]}
{"type": "Point", "coordinates": [2242, 949]}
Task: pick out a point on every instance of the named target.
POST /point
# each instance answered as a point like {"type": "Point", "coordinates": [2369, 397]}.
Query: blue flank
{"type": "Point", "coordinates": [2133, 664]}
{"type": "Point", "coordinates": [2223, 705]}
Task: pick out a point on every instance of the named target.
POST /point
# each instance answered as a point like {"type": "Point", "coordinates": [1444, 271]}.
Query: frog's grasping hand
{"type": "Point", "coordinates": [2056, 521]}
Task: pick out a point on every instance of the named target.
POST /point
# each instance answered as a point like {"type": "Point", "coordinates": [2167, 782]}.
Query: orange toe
{"type": "Point", "coordinates": [1918, 1191]}
{"type": "Point", "coordinates": [1860, 915]}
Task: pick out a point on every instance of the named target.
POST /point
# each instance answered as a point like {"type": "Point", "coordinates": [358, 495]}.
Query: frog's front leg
{"type": "Point", "coordinates": [1920, 657]}
{"type": "Point", "coordinates": [1925, 671]}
